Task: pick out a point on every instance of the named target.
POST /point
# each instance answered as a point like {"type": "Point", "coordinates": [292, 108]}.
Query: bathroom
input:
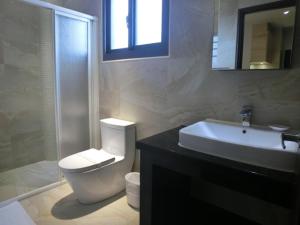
{"type": "Point", "coordinates": [178, 87]}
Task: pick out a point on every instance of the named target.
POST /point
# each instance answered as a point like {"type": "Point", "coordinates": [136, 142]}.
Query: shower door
{"type": "Point", "coordinates": [72, 75]}
{"type": "Point", "coordinates": [28, 147]}
{"type": "Point", "coordinates": [48, 96]}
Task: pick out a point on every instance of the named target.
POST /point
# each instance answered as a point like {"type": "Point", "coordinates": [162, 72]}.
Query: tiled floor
{"type": "Point", "coordinates": [59, 206]}
{"type": "Point", "coordinates": [27, 178]}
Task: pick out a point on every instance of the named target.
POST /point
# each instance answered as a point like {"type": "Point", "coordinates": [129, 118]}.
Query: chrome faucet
{"type": "Point", "coordinates": [246, 114]}
{"type": "Point", "coordinates": [289, 137]}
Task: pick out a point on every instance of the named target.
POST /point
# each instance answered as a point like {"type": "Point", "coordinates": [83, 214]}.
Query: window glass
{"type": "Point", "coordinates": [148, 22]}
{"type": "Point", "coordinates": [135, 29]}
{"type": "Point", "coordinates": [119, 29]}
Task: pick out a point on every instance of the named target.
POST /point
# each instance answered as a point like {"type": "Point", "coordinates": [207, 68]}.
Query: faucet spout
{"type": "Point", "coordinates": [246, 114]}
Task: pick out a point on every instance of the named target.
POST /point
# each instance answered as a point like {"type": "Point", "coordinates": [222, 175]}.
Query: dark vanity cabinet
{"type": "Point", "coordinates": [180, 186]}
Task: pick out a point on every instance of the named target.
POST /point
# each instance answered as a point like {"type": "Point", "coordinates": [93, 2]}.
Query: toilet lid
{"type": "Point", "coordinates": [86, 160]}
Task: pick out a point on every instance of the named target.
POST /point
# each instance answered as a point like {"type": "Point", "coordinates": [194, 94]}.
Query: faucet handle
{"type": "Point", "coordinates": [247, 109]}
{"type": "Point", "coordinates": [289, 137]}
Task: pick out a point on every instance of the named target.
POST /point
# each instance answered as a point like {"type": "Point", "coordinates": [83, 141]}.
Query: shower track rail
{"type": "Point", "coordinates": [48, 5]}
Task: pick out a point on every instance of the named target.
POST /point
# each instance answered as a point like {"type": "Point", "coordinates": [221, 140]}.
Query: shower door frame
{"type": "Point", "coordinates": [93, 82]}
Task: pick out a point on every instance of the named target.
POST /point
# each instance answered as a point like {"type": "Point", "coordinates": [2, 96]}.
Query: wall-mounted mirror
{"type": "Point", "coordinates": [253, 34]}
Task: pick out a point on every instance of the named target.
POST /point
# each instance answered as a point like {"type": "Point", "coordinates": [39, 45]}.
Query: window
{"type": "Point", "coordinates": [135, 28]}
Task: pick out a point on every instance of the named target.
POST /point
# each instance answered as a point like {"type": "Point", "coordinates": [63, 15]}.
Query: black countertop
{"type": "Point", "coordinates": [168, 142]}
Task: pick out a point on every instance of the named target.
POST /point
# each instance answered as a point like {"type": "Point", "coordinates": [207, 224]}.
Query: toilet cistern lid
{"type": "Point", "coordinates": [117, 123]}
{"type": "Point", "coordinates": [86, 160]}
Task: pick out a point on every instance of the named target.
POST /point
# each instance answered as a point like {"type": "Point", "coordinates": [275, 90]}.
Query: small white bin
{"type": "Point", "coordinates": [133, 189]}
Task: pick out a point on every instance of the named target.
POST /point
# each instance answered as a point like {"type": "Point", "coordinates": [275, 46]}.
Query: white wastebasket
{"type": "Point", "coordinates": [133, 189]}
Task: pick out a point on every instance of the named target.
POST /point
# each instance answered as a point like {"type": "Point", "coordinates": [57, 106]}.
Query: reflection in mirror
{"type": "Point", "coordinates": [253, 34]}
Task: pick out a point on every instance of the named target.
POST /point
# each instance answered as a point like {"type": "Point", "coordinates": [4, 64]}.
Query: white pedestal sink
{"type": "Point", "coordinates": [254, 145]}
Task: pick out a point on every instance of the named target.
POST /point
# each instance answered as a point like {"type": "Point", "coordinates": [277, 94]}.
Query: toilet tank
{"type": "Point", "coordinates": [118, 136]}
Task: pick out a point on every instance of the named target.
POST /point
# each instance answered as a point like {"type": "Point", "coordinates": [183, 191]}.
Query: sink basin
{"type": "Point", "coordinates": [254, 145]}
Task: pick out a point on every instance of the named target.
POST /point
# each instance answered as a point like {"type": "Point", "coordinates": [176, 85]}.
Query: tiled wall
{"type": "Point", "coordinates": [26, 90]}
{"type": "Point", "coordinates": [163, 93]}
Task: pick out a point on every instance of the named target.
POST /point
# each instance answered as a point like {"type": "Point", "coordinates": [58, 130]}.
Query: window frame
{"type": "Point", "coordinates": [134, 51]}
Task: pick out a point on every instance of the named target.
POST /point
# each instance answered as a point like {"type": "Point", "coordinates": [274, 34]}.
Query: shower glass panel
{"type": "Point", "coordinates": [28, 147]}
{"type": "Point", "coordinates": [72, 71]}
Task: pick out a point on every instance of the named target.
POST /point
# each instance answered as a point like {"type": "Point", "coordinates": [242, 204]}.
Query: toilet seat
{"type": "Point", "coordinates": [86, 160]}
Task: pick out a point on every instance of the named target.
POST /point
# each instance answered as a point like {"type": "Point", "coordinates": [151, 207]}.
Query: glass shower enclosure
{"type": "Point", "coordinates": [45, 98]}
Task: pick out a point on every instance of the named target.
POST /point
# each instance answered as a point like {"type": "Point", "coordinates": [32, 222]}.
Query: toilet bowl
{"type": "Point", "coordinates": [95, 175]}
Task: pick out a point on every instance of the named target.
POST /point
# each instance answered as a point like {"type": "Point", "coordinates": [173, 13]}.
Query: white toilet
{"type": "Point", "coordinates": [96, 175]}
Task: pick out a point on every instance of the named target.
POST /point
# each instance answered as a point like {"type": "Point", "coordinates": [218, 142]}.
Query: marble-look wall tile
{"type": "Point", "coordinates": [56, 2]}
{"type": "Point", "coordinates": [91, 7]}
{"type": "Point", "coordinates": [26, 148]}
{"type": "Point", "coordinates": [1, 52]}
{"type": "Point", "coordinates": [162, 93]}
{"type": "Point", "coordinates": [26, 104]}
